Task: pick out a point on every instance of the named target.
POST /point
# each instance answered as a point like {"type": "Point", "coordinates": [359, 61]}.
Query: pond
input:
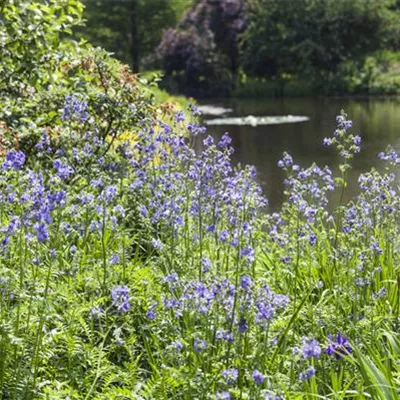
{"type": "Point", "coordinates": [376, 120]}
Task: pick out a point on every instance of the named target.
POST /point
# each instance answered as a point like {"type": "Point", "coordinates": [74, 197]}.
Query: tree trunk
{"type": "Point", "coordinates": [135, 43]}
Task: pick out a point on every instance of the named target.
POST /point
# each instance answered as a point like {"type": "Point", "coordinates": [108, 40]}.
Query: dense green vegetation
{"type": "Point", "coordinates": [276, 47]}
{"type": "Point", "coordinates": [134, 267]}
{"type": "Point", "coordinates": [131, 29]}
{"type": "Point", "coordinates": [323, 41]}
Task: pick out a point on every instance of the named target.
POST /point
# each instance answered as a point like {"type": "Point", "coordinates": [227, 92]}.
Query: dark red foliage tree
{"type": "Point", "coordinates": [202, 53]}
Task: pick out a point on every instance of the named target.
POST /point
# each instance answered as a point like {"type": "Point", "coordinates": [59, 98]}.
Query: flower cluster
{"type": "Point", "coordinates": [75, 109]}
{"type": "Point", "coordinates": [346, 143]}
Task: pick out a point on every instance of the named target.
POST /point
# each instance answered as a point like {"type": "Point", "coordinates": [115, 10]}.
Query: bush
{"type": "Point", "coordinates": [39, 70]}
{"type": "Point", "coordinates": [201, 56]}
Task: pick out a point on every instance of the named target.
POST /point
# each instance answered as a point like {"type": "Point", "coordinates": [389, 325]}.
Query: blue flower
{"type": "Point", "coordinates": [222, 396]}
{"type": "Point", "coordinates": [109, 193]}
{"type": "Point", "coordinates": [375, 246]}
{"type": "Point", "coordinates": [64, 171]}
{"type": "Point", "coordinates": [248, 252]}
{"type": "Point", "coordinates": [338, 347]}
{"type": "Point", "coordinates": [245, 282]}
{"type": "Point", "coordinates": [177, 344]}
{"type": "Point", "coordinates": [230, 375]}
{"type": "Point", "coordinates": [223, 236]}
{"type": "Point", "coordinates": [157, 244]}
{"type": "Point", "coordinates": [225, 140]}
{"type": "Point", "coordinates": [74, 109]}
{"type": "Point", "coordinates": [200, 345]}
{"type": "Point", "coordinates": [224, 335]}
{"type": "Point", "coordinates": [42, 232]}
{"type": "Point", "coordinates": [208, 141]}
{"type": "Point", "coordinates": [206, 264]}
{"type": "Point", "coordinates": [307, 374]}
{"type": "Point", "coordinates": [311, 348]}
{"type": "Point", "coordinates": [96, 312]}
{"type": "Point", "coordinates": [258, 377]}
{"type": "Point", "coordinates": [179, 116]}
{"type": "Point", "coordinates": [287, 161]}
{"type": "Point", "coordinates": [15, 159]}
{"type": "Point", "coordinates": [120, 298]}
{"type": "Point", "coordinates": [151, 313]}
{"type": "Point", "coordinates": [115, 259]}
{"type": "Point", "coordinates": [242, 326]}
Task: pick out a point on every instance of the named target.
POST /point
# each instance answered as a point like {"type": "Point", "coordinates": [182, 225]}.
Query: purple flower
{"type": "Point", "coordinates": [312, 239]}
{"type": "Point", "coordinates": [120, 298]}
{"type": "Point", "coordinates": [177, 345]}
{"type": "Point", "coordinates": [224, 335]}
{"type": "Point", "coordinates": [109, 193]}
{"type": "Point", "coordinates": [242, 326]}
{"type": "Point", "coordinates": [248, 252]}
{"type": "Point", "coordinates": [200, 345]}
{"type": "Point", "coordinates": [171, 278]}
{"type": "Point", "coordinates": [206, 264]}
{"type": "Point", "coordinates": [179, 116]}
{"type": "Point", "coordinates": [96, 312]}
{"type": "Point", "coordinates": [222, 396]}
{"type": "Point", "coordinates": [311, 348]}
{"type": "Point", "coordinates": [230, 375]}
{"type": "Point", "coordinates": [44, 143]}
{"type": "Point", "coordinates": [245, 282]}
{"type": "Point", "coordinates": [287, 161]}
{"type": "Point", "coordinates": [157, 244]}
{"type": "Point", "coordinates": [194, 110]}
{"type": "Point", "coordinates": [208, 141]}
{"type": "Point", "coordinates": [307, 374]}
{"type": "Point", "coordinates": [347, 124]}
{"type": "Point", "coordinates": [223, 236]}
{"type": "Point", "coordinates": [258, 377]}
{"type": "Point", "coordinates": [338, 347]}
{"type": "Point", "coordinates": [376, 247]}
{"type": "Point", "coordinates": [15, 159]}
{"type": "Point", "coordinates": [380, 294]}
{"type": "Point", "coordinates": [64, 171]}
{"type": "Point", "coordinates": [151, 313]}
{"type": "Point", "coordinates": [225, 140]}
{"type": "Point", "coordinates": [42, 232]}
{"type": "Point", "coordinates": [211, 228]}
{"type": "Point", "coordinates": [115, 259]}
{"type": "Point", "coordinates": [74, 109]}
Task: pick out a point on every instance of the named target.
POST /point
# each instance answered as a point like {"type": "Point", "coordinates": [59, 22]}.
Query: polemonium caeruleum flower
{"type": "Point", "coordinates": [311, 348]}
{"type": "Point", "coordinates": [120, 298]}
{"type": "Point", "coordinates": [338, 346]}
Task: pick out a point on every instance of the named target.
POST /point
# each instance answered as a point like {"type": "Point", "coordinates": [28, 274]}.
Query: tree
{"type": "Point", "coordinates": [313, 37]}
{"type": "Point", "coordinates": [203, 52]}
{"type": "Point", "coordinates": [130, 28]}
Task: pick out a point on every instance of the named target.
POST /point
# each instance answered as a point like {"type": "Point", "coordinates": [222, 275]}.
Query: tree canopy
{"type": "Point", "coordinates": [205, 46]}
{"type": "Point", "coordinates": [314, 36]}
{"type": "Point", "coordinates": [130, 28]}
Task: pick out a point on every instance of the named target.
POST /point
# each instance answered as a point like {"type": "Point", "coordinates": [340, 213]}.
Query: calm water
{"type": "Point", "coordinates": [376, 120]}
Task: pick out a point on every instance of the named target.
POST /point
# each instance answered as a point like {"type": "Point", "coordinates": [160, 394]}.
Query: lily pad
{"type": "Point", "coordinates": [214, 110]}
{"type": "Point", "coordinates": [255, 121]}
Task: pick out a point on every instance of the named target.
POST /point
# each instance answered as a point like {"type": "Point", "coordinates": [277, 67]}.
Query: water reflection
{"type": "Point", "coordinates": [376, 120]}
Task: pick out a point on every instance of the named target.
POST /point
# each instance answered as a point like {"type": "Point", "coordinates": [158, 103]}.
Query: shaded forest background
{"type": "Point", "coordinates": [254, 47]}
